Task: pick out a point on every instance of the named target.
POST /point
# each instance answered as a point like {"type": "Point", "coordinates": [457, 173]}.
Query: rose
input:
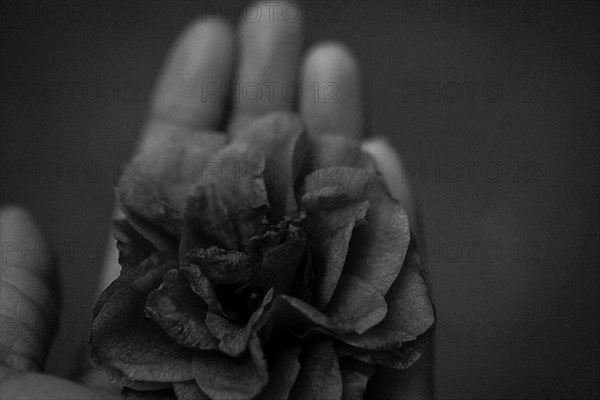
{"type": "Point", "coordinates": [275, 266]}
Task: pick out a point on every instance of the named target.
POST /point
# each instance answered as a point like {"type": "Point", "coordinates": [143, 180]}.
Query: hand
{"type": "Point", "coordinates": [184, 109]}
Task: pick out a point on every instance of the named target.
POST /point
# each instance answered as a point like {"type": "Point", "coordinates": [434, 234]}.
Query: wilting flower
{"type": "Point", "coordinates": [275, 266]}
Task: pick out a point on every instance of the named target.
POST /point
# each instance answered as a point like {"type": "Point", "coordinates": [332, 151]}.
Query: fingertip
{"type": "Point", "coordinates": [193, 33]}
{"type": "Point", "coordinates": [16, 213]}
{"type": "Point", "coordinates": [331, 57]}
{"type": "Point", "coordinates": [332, 91]}
{"type": "Point", "coordinates": [198, 69]}
{"type": "Point", "coordinates": [30, 290]}
{"type": "Point", "coordinates": [19, 227]}
{"type": "Point", "coordinates": [25, 247]}
{"type": "Point", "coordinates": [392, 169]}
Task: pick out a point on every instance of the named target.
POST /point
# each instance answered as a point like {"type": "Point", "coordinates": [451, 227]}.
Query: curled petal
{"type": "Point", "coordinates": [150, 269]}
{"type": "Point", "coordinates": [226, 378]}
{"type": "Point", "coordinates": [200, 284]}
{"type": "Point", "coordinates": [133, 248]}
{"type": "Point", "coordinates": [220, 266]}
{"type": "Point", "coordinates": [229, 202]}
{"type": "Point", "coordinates": [399, 357]}
{"type": "Point", "coordinates": [331, 214]}
{"type": "Point", "coordinates": [410, 311]}
{"type": "Point", "coordinates": [153, 218]}
{"type": "Point", "coordinates": [377, 249]}
{"type": "Point", "coordinates": [172, 161]}
{"type": "Point", "coordinates": [127, 347]}
{"type": "Point", "coordinates": [180, 312]}
{"type": "Point", "coordinates": [282, 137]}
{"type": "Point", "coordinates": [234, 340]}
{"type": "Point", "coordinates": [354, 315]}
{"type": "Point", "coordinates": [207, 219]}
{"type": "Point", "coordinates": [265, 238]}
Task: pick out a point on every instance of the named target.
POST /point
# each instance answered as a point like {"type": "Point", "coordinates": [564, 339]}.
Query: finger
{"type": "Point", "coordinates": [271, 40]}
{"type": "Point", "coordinates": [29, 298]}
{"type": "Point", "coordinates": [393, 170]}
{"type": "Point", "coordinates": [332, 100]}
{"type": "Point", "coordinates": [188, 100]}
{"type": "Point", "coordinates": [190, 92]}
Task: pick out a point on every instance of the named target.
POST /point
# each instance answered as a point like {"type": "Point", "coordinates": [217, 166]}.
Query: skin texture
{"type": "Point", "coordinates": [209, 51]}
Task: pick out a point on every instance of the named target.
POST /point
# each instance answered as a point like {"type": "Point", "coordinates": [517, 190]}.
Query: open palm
{"type": "Point", "coordinates": [192, 113]}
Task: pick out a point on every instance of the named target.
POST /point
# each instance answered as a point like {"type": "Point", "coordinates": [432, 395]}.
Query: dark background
{"type": "Point", "coordinates": [494, 107]}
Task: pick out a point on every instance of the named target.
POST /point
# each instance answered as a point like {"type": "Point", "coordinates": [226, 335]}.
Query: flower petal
{"type": "Point", "coordinates": [355, 314]}
{"type": "Point", "coordinates": [331, 215]}
{"type": "Point", "coordinates": [356, 306]}
{"type": "Point", "coordinates": [377, 249]}
{"type": "Point", "coordinates": [133, 248]}
{"type": "Point", "coordinates": [189, 390]}
{"type": "Point", "coordinates": [126, 346]}
{"type": "Point", "coordinates": [319, 376]}
{"type": "Point", "coordinates": [282, 375]}
{"type": "Point", "coordinates": [175, 308]}
{"type": "Point", "coordinates": [226, 378]}
{"type": "Point", "coordinates": [133, 347]}
{"type": "Point", "coordinates": [280, 265]}
{"type": "Point", "coordinates": [277, 253]}
{"type": "Point", "coordinates": [153, 218]}
{"type": "Point", "coordinates": [235, 191]}
{"type": "Point", "coordinates": [151, 266]}
{"type": "Point", "coordinates": [207, 219]}
{"type": "Point", "coordinates": [355, 377]}
{"type": "Point", "coordinates": [173, 163]}
{"type": "Point", "coordinates": [282, 137]}
{"type": "Point", "coordinates": [233, 340]}
{"type": "Point", "coordinates": [220, 266]}
{"type": "Point", "coordinates": [200, 284]}
{"type": "Point", "coordinates": [410, 311]}
{"type": "Point", "coordinates": [151, 192]}
{"type": "Point", "coordinates": [399, 357]}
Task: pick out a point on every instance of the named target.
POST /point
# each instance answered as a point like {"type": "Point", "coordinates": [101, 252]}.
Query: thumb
{"type": "Point", "coordinates": [29, 295]}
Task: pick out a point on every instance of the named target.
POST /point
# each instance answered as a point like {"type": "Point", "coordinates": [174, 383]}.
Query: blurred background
{"type": "Point", "coordinates": [493, 105]}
